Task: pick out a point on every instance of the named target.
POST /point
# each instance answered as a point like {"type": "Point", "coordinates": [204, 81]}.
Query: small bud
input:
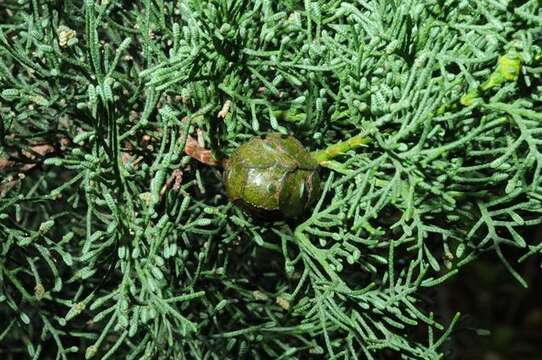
{"type": "Point", "coordinates": [39, 291]}
{"type": "Point", "coordinates": [90, 352]}
{"type": "Point", "coordinates": [65, 34]}
{"type": "Point", "coordinates": [283, 303]}
{"type": "Point", "coordinates": [46, 226]}
{"type": "Point", "coordinates": [259, 296]}
{"type": "Point", "coordinates": [75, 310]}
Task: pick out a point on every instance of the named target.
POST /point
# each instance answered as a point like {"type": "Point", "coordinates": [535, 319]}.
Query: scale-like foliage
{"type": "Point", "coordinates": [115, 244]}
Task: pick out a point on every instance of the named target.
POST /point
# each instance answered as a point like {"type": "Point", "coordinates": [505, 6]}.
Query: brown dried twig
{"type": "Point", "coordinates": [32, 157]}
{"type": "Point", "coordinates": [23, 161]}
{"type": "Point", "coordinates": [193, 149]}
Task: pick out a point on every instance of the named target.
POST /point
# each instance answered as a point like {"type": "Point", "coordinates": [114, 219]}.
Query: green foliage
{"type": "Point", "coordinates": [115, 244]}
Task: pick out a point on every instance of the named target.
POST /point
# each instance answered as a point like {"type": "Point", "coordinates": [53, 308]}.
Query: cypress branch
{"type": "Point", "coordinates": [118, 240]}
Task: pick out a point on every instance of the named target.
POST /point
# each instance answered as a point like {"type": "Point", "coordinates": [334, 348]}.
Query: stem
{"type": "Point", "coordinates": [507, 70]}
{"type": "Point", "coordinates": [332, 151]}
